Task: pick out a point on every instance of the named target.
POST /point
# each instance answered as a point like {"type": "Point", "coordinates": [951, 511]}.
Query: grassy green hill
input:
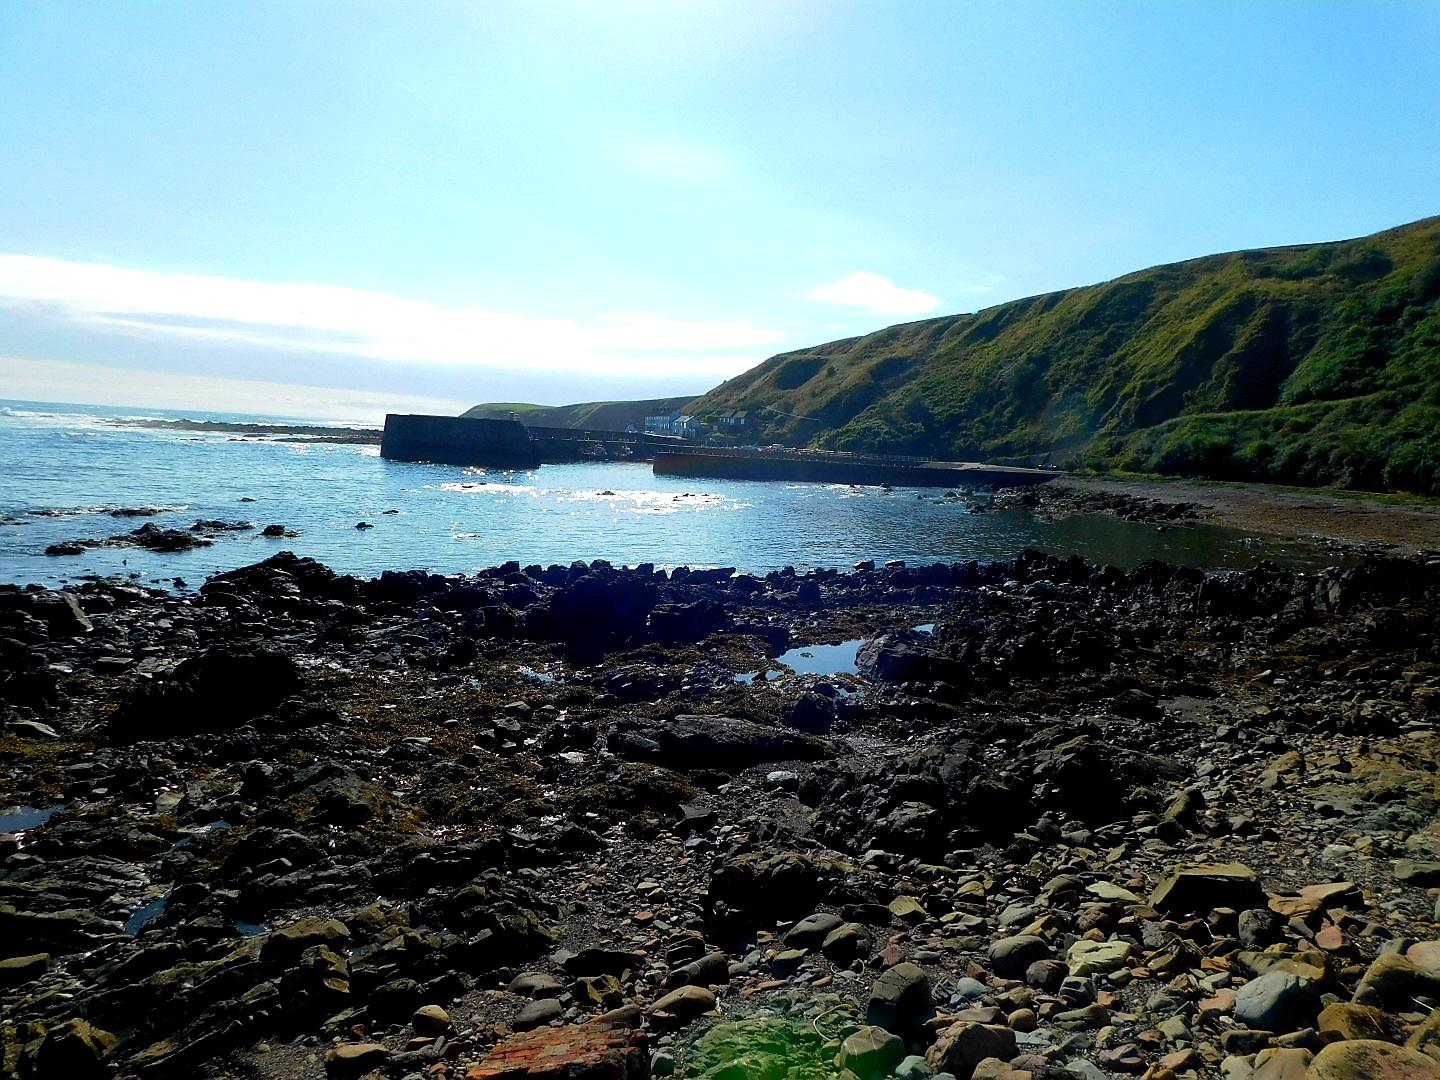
{"type": "Point", "coordinates": [592, 415]}
{"type": "Point", "coordinates": [1317, 364]}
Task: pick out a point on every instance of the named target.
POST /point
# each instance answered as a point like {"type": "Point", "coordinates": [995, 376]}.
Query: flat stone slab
{"type": "Point", "coordinates": [581, 1052]}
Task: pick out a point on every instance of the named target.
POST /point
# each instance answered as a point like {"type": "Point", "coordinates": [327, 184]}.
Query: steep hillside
{"type": "Point", "coordinates": [1309, 364]}
{"type": "Point", "coordinates": [594, 415]}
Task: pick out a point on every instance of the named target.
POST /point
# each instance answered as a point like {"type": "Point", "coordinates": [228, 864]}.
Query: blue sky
{"type": "Point", "coordinates": [431, 204]}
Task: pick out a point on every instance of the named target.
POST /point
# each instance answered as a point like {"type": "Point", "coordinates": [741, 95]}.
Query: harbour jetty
{"type": "Point", "coordinates": [507, 444]}
{"type": "Point", "coordinates": [457, 440]}
{"type": "Point", "coordinates": [833, 467]}
{"type": "Point", "coordinates": [511, 444]}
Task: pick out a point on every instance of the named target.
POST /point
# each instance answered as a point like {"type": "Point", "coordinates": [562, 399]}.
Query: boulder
{"type": "Point", "coordinates": [1011, 956]}
{"type": "Point", "coordinates": [1087, 957]}
{"type": "Point", "coordinates": [286, 944]}
{"type": "Point", "coordinates": [18, 970]}
{"type": "Point", "coordinates": [1367, 1059]}
{"type": "Point", "coordinates": [1196, 890]}
{"type": "Point", "coordinates": [75, 1050]}
{"type": "Point", "coordinates": [430, 1020]}
{"type": "Point", "coordinates": [1281, 1063]}
{"type": "Point", "coordinates": [677, 624]}
{"type": "Point", "coordinates": [712, 969]}
{"type": "Point", "coordinates": [963, 1045]}
{"type": "Point", "coordinates": [1426, 1037]}
{"type": "Point", "coordinates": [1421, 874]}
{"type": "Point", "coordinates": [872, 1052]}
{"type": "Point", "coordinates": [602, 961]}
{"type": "Point", "coordinates": [223, 687]}
{"type": "Point", "coordinates": [683, 1004]}
{"type": "Point", "coordinates": [1279, 1001]}
{"type": "Point", "coordinates": [713, 742]}
{"type": "Point", "coordinates": [1046, 975]}
{"type": "Point", "coordinates": [812, 930]}
{"type": "Point", "coordinates": [902, 656]}
{"type": "Point", "coordinates": [537, 1013]}
{"type": "Point", "coordinates": [907, 909]}
{"type": "Point", "coordinates": [60, 612]}
{"type": "Point", "coordinates": [350, 1060]}
{"type": "Point", "coordinates": [847, 943]}
{"type": "Point", "coordinates": [1393, 981]}
{"type": "Point", "coordinates": [765, 886]}
{"type": "Point", "coordinates": [900, 1000]}
{"type": "Point", "coordinates": [1343, 1020]}
{"type": "Point", "coordinates": [536, 984]}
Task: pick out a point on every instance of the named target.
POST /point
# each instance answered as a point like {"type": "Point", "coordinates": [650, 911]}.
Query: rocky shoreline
{"type": "Point", "coordinates": [579, 821]}
{"type": "Point", "coordinates": [1336, 519]}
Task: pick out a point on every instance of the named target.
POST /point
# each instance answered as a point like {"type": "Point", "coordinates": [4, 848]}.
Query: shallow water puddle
{"type": "Point", "coordinates": [827, 659]}
{"type": "Point", "coordinates": [823, 659]}
{"type": "Point", "coordinates": [20, 818]}
{"type": "Point", "coordinates": [144, 915]}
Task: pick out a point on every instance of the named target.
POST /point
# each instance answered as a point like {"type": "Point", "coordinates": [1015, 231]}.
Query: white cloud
{"type": "Point", "coordinates": [302, 318]}
{"type": "Point", "coordinates": [876, 294]}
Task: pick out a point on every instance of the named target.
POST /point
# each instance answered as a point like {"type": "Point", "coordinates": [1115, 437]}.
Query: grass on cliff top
{"type": "Point", "coordinates": [1310, 365]}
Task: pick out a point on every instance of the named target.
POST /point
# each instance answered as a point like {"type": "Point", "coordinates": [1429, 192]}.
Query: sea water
{"type": "Point", "coordinates": [63, 468]}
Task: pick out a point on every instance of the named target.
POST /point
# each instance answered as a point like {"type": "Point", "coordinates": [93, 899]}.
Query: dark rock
{"type": "Point", "coordinates": [536, 1014]}
{"type": "Point", "coordinates": [18, 970]}
{"type": "Point", "coordinates": [763, 887]}
{"type": "Point", "coordinates": [965, 1044]}
{"type": "Point", "coordinates": [1196, 890]}
{"type": "Point", "coordinates": [812, 930]}
{"type": "Point", "coordinates": [683, 1005]}
{"type": "Point", "coordinates": [900, 1000]}
{"type": "Point", "coordinates": [1011, 956]}
{"type": "Point", "coordinates": [847, 943]}
{"type": "Point", "coordinates": [1278, 1001]}
{"type": "Point", "coordinates": [349, 1061]}
{"type": "Point", "coordinates": [903, 656]}
{"type": "Point", "coordinates": [219, 688]}
{"type": "Point", "coordinates": [61, 613]}
{"type": "Point", "coordinates": [536, 984]}
{"type": "Point", "coordinates": [75, 1049]}
{"type": "Point", "coordinates": [598, 961]}
{"type": "Point", "coordinates": [677, 624]}
{"type": "Point", "coordinates": [719, 742]}
{"type": "Point", "coordinates": [871, 1053]}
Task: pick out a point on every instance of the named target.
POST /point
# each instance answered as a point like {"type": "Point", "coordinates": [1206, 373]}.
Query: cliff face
{"type": "Point", "coordinates": [1309, 364]}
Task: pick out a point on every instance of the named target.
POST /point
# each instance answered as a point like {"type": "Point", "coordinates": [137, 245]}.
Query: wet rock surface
{"type": "Point", "coordinates": [528, 822]}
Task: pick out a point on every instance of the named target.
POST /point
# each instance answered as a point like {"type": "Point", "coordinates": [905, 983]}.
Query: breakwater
{"type": "Point", "coordinates": [829, 467]}
{"type": "Point", "coordinates": [507, 444]}
{"type": "Point", "coordinates": [510, 444]}
{"type": "Point", "coordinates": [454, 440]}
